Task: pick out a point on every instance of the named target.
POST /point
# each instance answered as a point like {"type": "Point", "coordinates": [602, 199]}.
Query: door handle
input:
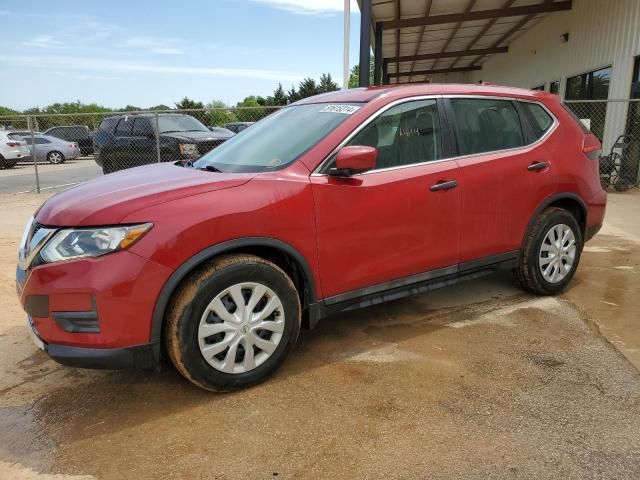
{"type": "Point", "coordinates": [537, 166]}
{"type": "Point", "coordinates": [443, 186]}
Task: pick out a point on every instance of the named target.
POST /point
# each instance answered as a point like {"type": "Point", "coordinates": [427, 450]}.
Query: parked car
{"type": "Point", "coordinates": [52, 149]}
{"type": "Point", "coordinates": [126, 141]}
{"type": "Point", "coordinates": [219, 263]}
{"type": "Point", "coordinates": [237, 127]}
{"type": "Point", "coordinates": [12, 149]}
{"type": "Point", "coordinates": [79, 134]}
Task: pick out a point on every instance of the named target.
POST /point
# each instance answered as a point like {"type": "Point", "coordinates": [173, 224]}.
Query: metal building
{"type": "Point", "coordinates": [586, 51]}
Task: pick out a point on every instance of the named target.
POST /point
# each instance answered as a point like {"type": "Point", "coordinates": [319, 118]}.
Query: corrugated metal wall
{"type": "Point", "coordinates": [601, 33]}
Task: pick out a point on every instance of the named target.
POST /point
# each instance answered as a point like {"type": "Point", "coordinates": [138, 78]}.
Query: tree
{"type": "Point", "coordinates": [187, 104]}
{"type": "Point", "coordinates": [307, 88]}
{"type": "Point", "coordinates": [130, 108]}
{"type": "Point", "coordinates": [327, 84]}
{"type": "Point", "coordinates": [220, 114]}
{"type": "Point", "coordinates": [160, 107]}
{"type": "Point", "coordinates": [292, 95]}
{"type": "Point", "coordinates": [279, 97]}
{"type": "Point", "coordinates": [7, 111]}
{"type": "Point", "coordinates": [354, 75]}
{"type": "Point", "coordinates": [250, 109]}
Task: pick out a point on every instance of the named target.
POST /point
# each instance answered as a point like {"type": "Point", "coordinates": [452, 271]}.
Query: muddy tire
{"type": "Point", "coordinates": [550, 254]}
{"type": "Point", "coordinates": [232, 322]}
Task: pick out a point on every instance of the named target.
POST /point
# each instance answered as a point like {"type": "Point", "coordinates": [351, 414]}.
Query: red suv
{"type": "Point", "coordinates": [336, 202]}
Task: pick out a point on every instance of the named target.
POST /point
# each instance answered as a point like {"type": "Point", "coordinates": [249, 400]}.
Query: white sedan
{"type": "Point", "coordinates": [12, 149]}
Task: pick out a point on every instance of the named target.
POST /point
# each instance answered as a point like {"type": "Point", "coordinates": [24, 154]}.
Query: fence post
{"type": "Point", "coordinates": [157, 138]}
{"type": "Point", "coordinates": [31, 122]}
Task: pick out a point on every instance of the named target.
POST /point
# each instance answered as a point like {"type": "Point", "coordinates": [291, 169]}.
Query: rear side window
{"type": "Point", "coordinates": [124, 127]}
{"type": "Point", "coordinates": [541, 121]}
{"type": "Point", "coordinates": [486, 125]}
{"type": "Point", "coordinates": [404, 135]}
{"type": "Point", "coordinates": [109, 124]}
{"type": "Point", "coordinates": [142, 127]}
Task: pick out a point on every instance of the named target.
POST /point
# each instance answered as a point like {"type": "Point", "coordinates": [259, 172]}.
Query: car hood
{"type": "Point", "coordinates": [197, 136]}
{"type": "Point", "coordinates": [107, 200]}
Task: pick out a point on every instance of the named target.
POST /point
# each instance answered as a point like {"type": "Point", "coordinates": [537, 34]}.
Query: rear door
{"type": "Point", "coordinates": [505, 173]}
{"type": "Point", "coordinates": [385, 228]}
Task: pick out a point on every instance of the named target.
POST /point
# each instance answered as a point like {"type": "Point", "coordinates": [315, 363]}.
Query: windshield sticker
{"type": "Point", "coordinates": [346, 109]}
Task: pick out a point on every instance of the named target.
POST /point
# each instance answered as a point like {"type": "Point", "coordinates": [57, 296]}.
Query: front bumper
{"type": "Point", "coordinates": [127, 358]}
{"type": "Point", "coordinates": [94, 312]}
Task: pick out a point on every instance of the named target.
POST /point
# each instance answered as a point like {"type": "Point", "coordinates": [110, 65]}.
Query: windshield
{"type": "Point", "coordinates": [180, 123]}
{"type": "Point", "coordinates": [277, 140]}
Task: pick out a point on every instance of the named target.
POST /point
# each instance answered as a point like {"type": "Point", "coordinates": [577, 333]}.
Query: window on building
{"type": "Point", "coordinates": [554, 87]}
{"type": "Point", "coordinates": [484, 125]}
{"type": "Point", "coordinates": [589, 86]}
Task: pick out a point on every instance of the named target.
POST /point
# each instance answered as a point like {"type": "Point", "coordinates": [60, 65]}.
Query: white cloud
{"type": "Point", "coordinates": [167, 51]}
{"type": "Point", "coordinates": [43, 41]}
{"type": "Point", "coordinates": [309, 7]}
{"type": "Point", "coordinates": [99, 65]}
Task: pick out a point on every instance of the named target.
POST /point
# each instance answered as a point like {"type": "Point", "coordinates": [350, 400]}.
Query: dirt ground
{"type": "Point", "coordinates": [478, 380]}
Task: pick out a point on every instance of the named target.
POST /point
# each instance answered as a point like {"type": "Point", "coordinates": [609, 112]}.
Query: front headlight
{"type": "Point", "coordinates": [71, 243]}
{"type": "Point", "coordinates": [189, 149]}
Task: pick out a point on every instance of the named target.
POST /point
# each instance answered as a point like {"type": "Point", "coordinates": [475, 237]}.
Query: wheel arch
{"type": "Point", "coordinates": [567, 201]}
{"type": "Point", "coordinates": [281, 253]}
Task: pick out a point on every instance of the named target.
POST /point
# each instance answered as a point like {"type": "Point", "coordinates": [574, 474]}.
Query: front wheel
{"type": "Point", "coordinates": [551, 253]}
{"type": "Point", "coordinates": [232, 322]}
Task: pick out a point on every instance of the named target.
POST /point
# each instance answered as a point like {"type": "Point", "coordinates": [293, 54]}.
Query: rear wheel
{"type": "Point", "coordinates": [551, 253]}
{"type": "Point", "coordinates": [232, 323]}
{"type": "Point", "coordinates": [55, 157]}
{"type": "Point", "coordinates": [4, 163]}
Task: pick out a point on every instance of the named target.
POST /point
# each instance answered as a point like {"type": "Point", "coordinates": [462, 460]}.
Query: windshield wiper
{"type": "Point", "coordinates": [211, 168]}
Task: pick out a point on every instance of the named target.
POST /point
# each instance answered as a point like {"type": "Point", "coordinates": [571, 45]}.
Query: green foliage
{"type": "Point", "coordinates": [187, 104]}
{"type": "Point", "coordinates": [327, 84]}
{"type": "Point", "coordinates": [354, 75]}
{"type": "Point", "coordinates": [307, 88]}
{"type": "Point", "coordinates": [279, 97]}
{"type": "Point", "coordinates": [219, 114]}
{"type": "Point", "coordinates": [7, 111]}
{"type": "Point", "coordinates": [253, 114]}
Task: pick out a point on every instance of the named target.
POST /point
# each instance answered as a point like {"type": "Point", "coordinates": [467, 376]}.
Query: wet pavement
{"type": "Point", "coordinates": [478, 380]}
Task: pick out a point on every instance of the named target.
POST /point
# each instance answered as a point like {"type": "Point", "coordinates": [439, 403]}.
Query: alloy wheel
{"type": "Point", "coordinates": [55, 157]}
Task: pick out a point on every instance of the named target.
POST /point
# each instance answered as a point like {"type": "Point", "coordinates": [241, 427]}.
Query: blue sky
{"type": "Point", "coordinates": [147, 53]}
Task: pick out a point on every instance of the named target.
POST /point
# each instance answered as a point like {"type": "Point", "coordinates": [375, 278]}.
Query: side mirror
{"type": "Point", "coordinates": [355, 159]}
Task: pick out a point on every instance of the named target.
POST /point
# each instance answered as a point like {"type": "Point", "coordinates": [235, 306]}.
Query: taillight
{"type": "Point", "coordinates": [591, 146]}
{"type": "Point", "coordinates": [13, 144]}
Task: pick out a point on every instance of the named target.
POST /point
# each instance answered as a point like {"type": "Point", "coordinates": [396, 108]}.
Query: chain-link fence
{"type": "Point", "coordinates": [73, 148]}
{"type": "Point", "coordinates": [617, 124]}
{"type": "Point", "coordinates": [66, 149]}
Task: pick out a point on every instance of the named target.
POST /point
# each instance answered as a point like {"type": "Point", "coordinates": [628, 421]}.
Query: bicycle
{"type": "Point", "coordinates": [612, 166]}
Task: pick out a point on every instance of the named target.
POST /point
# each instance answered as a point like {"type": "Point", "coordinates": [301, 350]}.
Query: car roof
{"type": "Point", "coordinates": [367, 94]}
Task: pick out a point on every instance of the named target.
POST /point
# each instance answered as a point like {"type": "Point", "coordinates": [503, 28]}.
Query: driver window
{"type": "Point", "coordinates": [404, 135]}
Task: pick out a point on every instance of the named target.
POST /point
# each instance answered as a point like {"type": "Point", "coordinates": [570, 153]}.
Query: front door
{"type": "Point", "coordinates": [377, 228]}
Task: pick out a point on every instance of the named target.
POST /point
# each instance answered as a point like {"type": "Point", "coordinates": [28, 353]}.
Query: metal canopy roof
{"type": "Point", "coordinates": [425, 37]}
